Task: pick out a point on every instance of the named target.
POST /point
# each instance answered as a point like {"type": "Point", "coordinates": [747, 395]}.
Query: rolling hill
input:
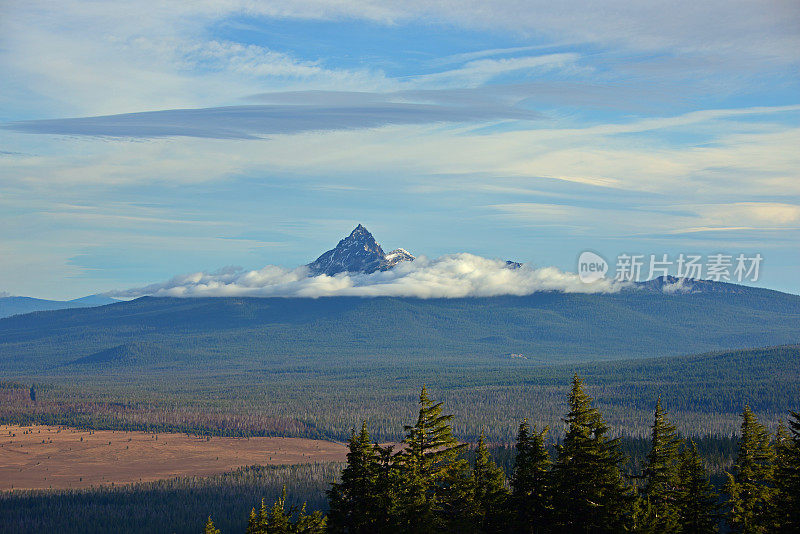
{"type": "Point", "coordinates": [19, 305]}
{"type": "Point", "coordinates": [546, 328]}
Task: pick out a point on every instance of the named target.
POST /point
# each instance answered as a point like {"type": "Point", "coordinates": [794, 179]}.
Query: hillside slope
{"type": "Point", "coordinates": [543, 327]}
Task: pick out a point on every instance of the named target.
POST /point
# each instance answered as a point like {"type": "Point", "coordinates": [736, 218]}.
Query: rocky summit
{"type": "Point", "coordinates": [358, 253]}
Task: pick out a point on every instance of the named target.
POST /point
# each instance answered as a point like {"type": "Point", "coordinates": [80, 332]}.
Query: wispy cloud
{"type": "Point", "coordinates": [250, 122]}
{"type": "Point", "coordinates": [479, 54]}
{"type": "Point", "coordinates": [482, 70]}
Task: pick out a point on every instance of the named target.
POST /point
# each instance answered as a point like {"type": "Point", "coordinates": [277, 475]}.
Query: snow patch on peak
{"type": "Point", "coordinates": [357, 253]}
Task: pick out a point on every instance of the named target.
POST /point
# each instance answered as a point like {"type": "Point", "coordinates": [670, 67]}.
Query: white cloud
{"type": "Point", "coordinates": [656, 219]}
{"type": "Point", "coordinates": [76, 57]}
{"type": "Point", "coordinates": [450, 276]}
{"type": "Point", "coordinates": [482, 70]}
{"type": "Point", "coordinates": [752, 214]}
{"type": "Point", "coordinates": [737, 158]}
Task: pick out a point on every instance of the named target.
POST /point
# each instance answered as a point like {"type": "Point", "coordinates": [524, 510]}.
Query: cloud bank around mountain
{"type": "Point", "coordinates": [449, 276]}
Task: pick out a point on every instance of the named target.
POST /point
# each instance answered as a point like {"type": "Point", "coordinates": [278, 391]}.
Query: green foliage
{"type": "Point", "coordinates": [491, 496]}
{"type": "Point", "coordinates": [306, 396]}
{"type": "Point", "coordinates": [787, 476]}
{"type": "Point", "coordinates": [210, 528]}
{"type": "Point", "coordinates": [433, 478]}
{"type": "Point", "coordinates": [531, 481]}
{"type": "Point", "coordinates": [696, 502]}
{"type": "Point", "coordinates": [354, 500]}
{"type": "Point", "coordinates": [546, 327]}
{"type": "Point", "coordinates": [277, 519]}
{"type": "Point", "coordinates": [429, 466]}
{"type": "Point", "coordinates": [660, 477]}
{"type": "Point", "coordinates": [175, 506]}
{"type": "Point", "coordinates": [751, 486]}
{"type": "Point", "coordinates": [589, 492]}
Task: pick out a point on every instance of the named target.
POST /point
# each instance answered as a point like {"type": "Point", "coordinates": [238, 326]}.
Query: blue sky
{"type": "Point", "coordinates": [140, 140]}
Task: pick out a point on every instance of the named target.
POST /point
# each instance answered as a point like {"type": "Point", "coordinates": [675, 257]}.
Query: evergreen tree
{"type": "Point", "coordinates": [530, 481]}
{"type": "Point", "coordinates": [590, 494]}
{"type": "Point", "coordinates": [787, 476]}
{"type": "Point", "coordinates": [660, 477]}
{"type": "Point", "coordinates": [491, 495]}
{"type": "Point", "coordinates": [750, 487]}
{"type": "Point", "coordinates": [353, 502]}
{"type": "Point", "coordinates": [210, 529]}
{"type": "Point", "coordinates": [697, 504]}
{"type": "Point", "coordinates": [459, 508]}
{"type": "Point", "coordinates": [429, 460]}
{"type": "Point", "coordinates": [314, 523]}
{"type": "Point", "coordinates": [276, 520]}
{"type": "Point", "coordinates": [387, 490]}
{"type": "Point", "coordinates": [253, 525]}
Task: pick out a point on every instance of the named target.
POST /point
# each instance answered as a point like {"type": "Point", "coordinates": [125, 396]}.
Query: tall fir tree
{"type": "Point", "coordinates": [750, 487]}
{"type": "Point", "coordinates": [697, 503]}
{"type": "Point", "coordinates": [313, 523]}
{"type": "Point", "coordinates": [530, 481]}
{"type": "Point", "coordinates": [388, 483]}
{"type": "Point", "coordinates": [660, 477]}
{"type": "Point", "coordinates": [252, 522]}
{"type": "Point", "coordinates": [490, 494]}
{"type": "Point", "coordinates": [276, 520]}
{"type": "Point", "coordinates": [353, 501]}
{"type": "Point", "coordinates": [787, 476]}
{"type": "Point", "coordinates": [279, 520]}
{"type": "Point", "coordinates": [210, 528]}
{"type": "Point", "coordinates": [429, 461]}
{"type": "Point", "coordinates": [590, 494]}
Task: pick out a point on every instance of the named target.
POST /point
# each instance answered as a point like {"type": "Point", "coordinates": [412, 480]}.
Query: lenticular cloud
{"type": "Point", "coordinates": [451, 276]}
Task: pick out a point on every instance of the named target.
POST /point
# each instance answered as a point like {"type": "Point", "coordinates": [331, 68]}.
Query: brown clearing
{"type": "Point", "coordinates": [44, 457]}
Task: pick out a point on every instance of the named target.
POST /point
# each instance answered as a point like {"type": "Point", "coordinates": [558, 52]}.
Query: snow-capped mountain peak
{"type": "Point", "coordinates": [358, 252]}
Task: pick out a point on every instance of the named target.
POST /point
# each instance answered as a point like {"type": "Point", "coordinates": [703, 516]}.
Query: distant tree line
{"type": "Point", "coordinates": [705, 394]}
{"type": "Point", "coordinates": [427, 486]}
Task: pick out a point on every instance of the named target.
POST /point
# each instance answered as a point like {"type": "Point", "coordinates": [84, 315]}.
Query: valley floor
{"type": "Point", "coordinates": [50, 457]}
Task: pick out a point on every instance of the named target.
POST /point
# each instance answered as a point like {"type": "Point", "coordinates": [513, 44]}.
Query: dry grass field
{"type": "Point", "coordinates": [42, 457]}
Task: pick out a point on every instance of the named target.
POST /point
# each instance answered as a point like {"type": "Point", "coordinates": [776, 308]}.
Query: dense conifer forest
{"type": "Point", "coordinates": [426, 485]}
{"type": "Point", "coordinates": [705, 394]}
{"type": "Point", "coordinates": [586, 479]}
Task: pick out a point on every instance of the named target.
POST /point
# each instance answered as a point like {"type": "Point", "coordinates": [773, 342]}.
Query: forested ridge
{"type": "Point", "coordinates": [427, 485]}
{"type": "Point", "coordinates": [282, 333]}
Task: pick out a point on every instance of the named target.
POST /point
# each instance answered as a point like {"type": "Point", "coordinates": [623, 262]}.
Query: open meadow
{"type": "Point", "coordinates": [50, 457]}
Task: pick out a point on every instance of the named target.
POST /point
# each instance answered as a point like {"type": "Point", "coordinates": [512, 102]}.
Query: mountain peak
{"type": "Point", "coordinates": [358, 252]}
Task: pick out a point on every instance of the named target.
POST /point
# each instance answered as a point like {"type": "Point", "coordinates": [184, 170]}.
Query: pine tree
{"type": "Point", "coordinates": [430, 458]}
{"type": "Point", "coordinates": [660, 477]}
{"type": "Point", "coordinates": [277, 520]}
{"type": "Point", "coordinates": [787, 476]}
{"type": "Point", "coordinates": [210, 529]}
{"type": "Point", "coordinates": [388, 483]}
{"type": "Point", "coordinates": [456, 494]}
{"type": "Point", "coordinates": [253, 526]}
{"type": "Point", "coordinates": [490, 494]}
{"type": "Point", "coordinates": [314, 523]}
{"type": "Point", "coordinates": [530, 481]}
{"type": "Point", "coordinates": [750, 487]}
{"type": "Point", "coordinates": [590, 494]}
{"type": "Point", "coordinates": [353, 502]}
{"type": "Point", "coordinates": [697, 504]}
